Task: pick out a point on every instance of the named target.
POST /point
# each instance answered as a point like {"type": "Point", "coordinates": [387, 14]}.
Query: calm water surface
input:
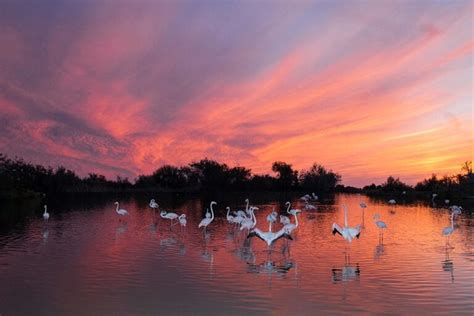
{"type": "Point", "coordinates": [86, 261]}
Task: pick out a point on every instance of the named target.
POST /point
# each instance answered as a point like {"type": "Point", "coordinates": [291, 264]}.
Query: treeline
{"type": "Point", "coordinates": [19, 177]}
{"type": "Point", "coordinates": [460, 185]}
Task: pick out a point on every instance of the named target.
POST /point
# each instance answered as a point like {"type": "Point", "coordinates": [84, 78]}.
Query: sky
{"type": "Point", "coordinates": [366, 88]}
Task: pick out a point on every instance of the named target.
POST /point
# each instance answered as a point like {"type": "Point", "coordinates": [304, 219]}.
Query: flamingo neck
{"type": "Point", "coordinates": [228, 210]}
{"type": "Point", "coordinates": [288, 207]}
{"type": "Point", "coordinates": [254, 219]}
{"type": "Point", "coordinates": [345, 216]}
{"type": "Point", "coordinates": [116, 209]}
{"type": "Point", "coordinates": [212, 212]}
{"type": "Point", "coordinates": [296, 219]}
{"type": "Point", "coordinates": [247, 205]}
{"type": "Point", "coordinates": [452, 220]}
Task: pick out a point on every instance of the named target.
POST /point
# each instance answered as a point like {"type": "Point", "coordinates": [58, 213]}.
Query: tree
{"type": "Point", "coordinates": [467, 167]}
{"type": "Point", "coordinates": [170, 177]}
{"type": "Point", "coordinates": [287, 177]}
{"type": "Point", "coordinates": [318, 179]}
{"type": "Point", "coordinates": [394, 185]}
{"type": "Point", "coordinates": [238, 177]}
{"type": "Point", "coordinates": [211, 174]}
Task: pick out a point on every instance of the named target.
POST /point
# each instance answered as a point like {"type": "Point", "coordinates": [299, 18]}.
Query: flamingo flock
{"type": "Point", "coordinates": [246, 220]}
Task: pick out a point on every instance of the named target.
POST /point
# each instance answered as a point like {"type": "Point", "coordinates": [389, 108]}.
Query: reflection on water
{"type": "Point", "coordinates": [346, 273]}
{"type": "Point", "coordinates": [448, 264]}
{"type": "Point", "coordinates": [88, 261]}
{"type": "Point", "coordinates": [379, 249]}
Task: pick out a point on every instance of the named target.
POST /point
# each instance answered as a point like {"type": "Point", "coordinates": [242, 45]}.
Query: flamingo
{"type": "Point", "coordinates": [380, 224]}
{"type": "Point", "coordinates": [169, 215]}
{"type": "Point", "coordinates": [290, 227]}
{"type": "Point", "coordinates": [292, 211]}
{"type": "Point", "coordinates": [347, 232]}
{"type": "Point", "coordinates": [309, 206]}
{"type": "Point", "coordinates": [249, 223]}
{"type": "Point", "coordinates": [120, 212]}
{"type": "Point", "coordinates": [363, 206]}
{"type": "Point", "coordinates": [315, 197]}
{"type": "Point", "coordinates": [153, 204]}
{"type": "Point", "coordinates": [272, 218]}
{"type": "Point", "coordinates": [446, 201]}
{"type": "Point", "coordinates": [269, 237]}
{"type": "Point", "coordinates": [182, 220]}
{"type": "Point", "coordinates": [284, 219]}
{"type": "Point", "coordinates": [447, 231]}
{"type": "Point", "coordinates": [392, 202]}
{"type": "Point", "coordinates": [433, 196]}
{"type": "Point", "coordinates": [456, 209]}
{"type": "Point", "coordinates": [46, 214]}
{"type": "Point", "coordinates": [305, 197]}
{"type": "Point", "coordinates": [239, 217]}
{"type": "Point", "coordinates": [230, 218]}
{"type": "Point", "coordinates": [206, 221]}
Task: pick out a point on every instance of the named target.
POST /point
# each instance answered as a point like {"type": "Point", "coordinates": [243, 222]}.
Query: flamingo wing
{"type": "Point", "coordinates": [336, 229]}
{"type": "Point", "coordinates": [282, 234]}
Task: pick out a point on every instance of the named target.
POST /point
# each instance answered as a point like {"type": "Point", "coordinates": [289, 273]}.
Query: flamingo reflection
{"type": "Point", "coordinates": [448, 264]}
{"type": "Point", "coordinates": [379, 249]}
{"type": "Point", "coordinates": [346, 274]}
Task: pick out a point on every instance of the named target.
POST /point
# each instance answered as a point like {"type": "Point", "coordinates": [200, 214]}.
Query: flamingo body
{"type": "Point", "coordinates": [121, 212]}
{"type": "Point", "coordinates": [46, 214]}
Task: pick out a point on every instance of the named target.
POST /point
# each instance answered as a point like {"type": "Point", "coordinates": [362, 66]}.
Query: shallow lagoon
{"type": "Point", "coordinates": [84, 260]}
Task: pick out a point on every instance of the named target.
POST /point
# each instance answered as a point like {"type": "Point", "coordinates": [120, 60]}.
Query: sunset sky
{"type": "Point", "coordinates": [368, 89]}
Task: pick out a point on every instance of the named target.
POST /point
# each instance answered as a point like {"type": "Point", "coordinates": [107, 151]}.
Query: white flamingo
{"type": "Point", "coordinates": [392, 202]}
{"type": "Point", "coordinates": [182, 220]}
{"type": "Point", "coordinates": [239, 217]}
{"type": "Point", "coordinates": [290, 227]}
{"type": "Point", "coordinates": [229, 217]}
{"type": "Point", "coordinates": [269, 237]}
{"type": "Point", "coordinates": [380, 224]}
{"type": "Point", "coordinates": [305, 197]}
{"type": "Point", "coordinates": [309, 206]}
{"type": "Point", "coordinates": [347, 232]}
{"type": "Point", "coordinates": [243, 213]}
{"type": "Point", "coordinates": [169, 215]}
{"type": "Point", "coordinates": [446, 201]}
{"type": "Point", "coordinates": [272, 218]}
{"type": "Point", "coordinates": [46, 214]}
{"type": "Point", "coordinates": [433, 196]}
{"type": "Point", "coordinates": [363, 206]}
{"type": "Point", "coordinates": [456, 209]}
{"type": "Point", "coordinates": [249, 223]}
{"type": "Point", "coordinates": [292, 211]}
{"type": "Point", "coordinates": [448, 231]}
{"type": "Point", "coordinates": [153, 204]}
{"type": "Point", "coordinates": [208, 219]}
{"type": "Point", "coordinates": [315, 197]}
{"type": "Point", "coordinates": [284, 219]}
{"type": "Point", "coordinates": [120, 212]}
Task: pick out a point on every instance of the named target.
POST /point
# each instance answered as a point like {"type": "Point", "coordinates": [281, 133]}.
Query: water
{"type": "Point", "coordinates": [86, 261]}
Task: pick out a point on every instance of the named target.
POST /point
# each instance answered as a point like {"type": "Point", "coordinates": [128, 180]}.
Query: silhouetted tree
{"type": "Point", "coordinates": [170, 177]}
{"type": "Point", "coordinates": [394, 185]}
{"type": "Point", "coordinates": [211, 174]}
{"type": "Point", "coordinates": [287, 177]}
{"type": "Point", "coordinates": [238, 177]}
{"type": "Point", "coordinates": [318, 179]}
